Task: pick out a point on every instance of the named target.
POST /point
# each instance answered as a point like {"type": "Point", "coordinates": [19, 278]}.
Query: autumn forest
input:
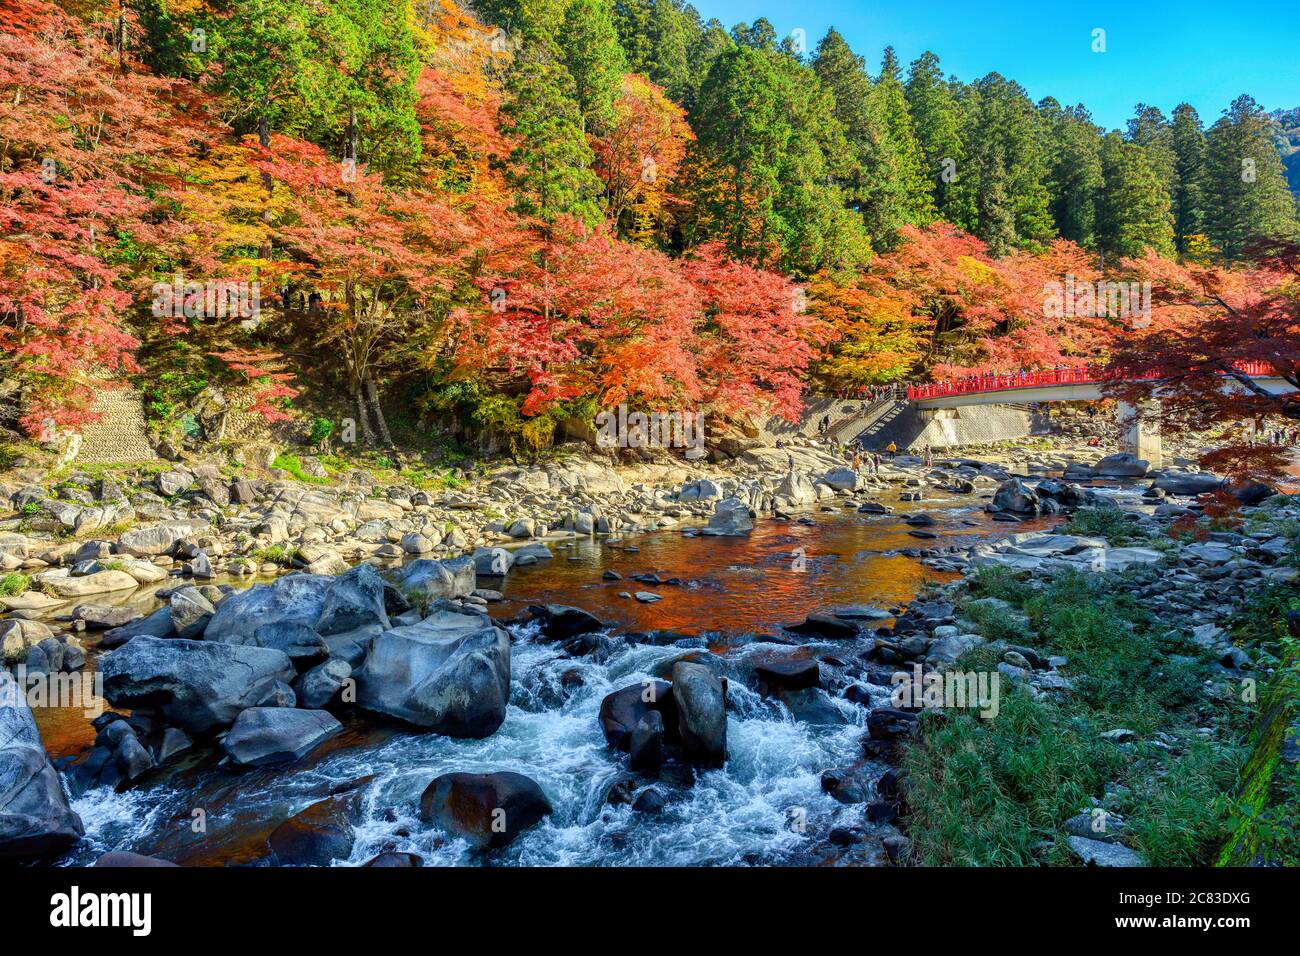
{"type": "Point", "coordinates": [511, 214]}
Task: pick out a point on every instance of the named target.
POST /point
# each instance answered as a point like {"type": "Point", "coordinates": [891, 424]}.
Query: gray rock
{"type": "Point", "coordinates": [199, 686]}
{"type": "Point", "coordinates": [702, 714]}
{"type": "Point", "coordinates": [450, 674]}
{"type": "Point", "coordinates": [1097, 853]}
{"type": "Point", "coordinates": [1122, 465]}
{"type": "Point", "coordinates": [295, 598]}
{"type": "Point", "coordinates": [35, 819]}
{"type": "Point", "coordinates": [266, 735]}
{"type": "Point", "coordinates": [426, 580]}
{"type": "Point", "coordinates": [190, 612]}
{"type": "Point", "coordinates": [160, 538]}
{"type": "Point", "coordinates": [353, 600]}
{"type": "Point", "coordinates": [731, 516]}
{"type": "Point", "coordinates": [1188, 483]}
{"type": "Point", "coordinates": [492, 562]}
{"type": "Point", "coordinates": [301, 643]}
{"type": "Point", "coordinates": [321, 687]}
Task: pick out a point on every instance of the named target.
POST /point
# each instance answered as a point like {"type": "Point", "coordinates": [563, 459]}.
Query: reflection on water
{"type": "Point", "coordinates": [738, 814]}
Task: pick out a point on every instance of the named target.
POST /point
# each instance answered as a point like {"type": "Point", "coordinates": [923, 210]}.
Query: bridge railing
{"type": "Point", "coordinates": [1079, 375]}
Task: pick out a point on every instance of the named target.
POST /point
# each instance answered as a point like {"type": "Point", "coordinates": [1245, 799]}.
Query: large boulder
{"type": "Point", "coordinates": [560, 621]}
{"type": "Point", "coordinates": [450, 673]}
{"type": "Point", "coordinates": [842, 479]}
{"type": "Point", "coordinates": [199, 686]}
{"type": "Point", "coordinates": [157, 624]}
{"type": "Point", "coordinates": [99, 582]}
{"type": "Point", "coordinates": [701, 714]}
{"type": "Point", "coordinates": [267, 735]}
{"type": "Point", "coordinates": [160, 538]}
{"type": "Point", "coordinates": [488, 809]}
{"type": "Point", "coordinates": [731, 516]}
{"type": "Point", "coordinates": [295, 598]}
{"type": "Point", "coordinates": [1188, 483]}
{"type": "Point", "coordinates": [1015, 496]}
{"type": "Point", "coordinates": [304, 646]}
{"type": "Point", "coordinates": [492, 562]}
{"type": "Point", "coordinates": [319, 834]}
{"type": "Point", "coordinates": [796, 489]}
{"type": "Point", "coordinates": [35, 819]}
{"type": "Point", "coordinates": [428, 580]}
{"type": "Point", "coordinates": [353, 600]}
{"type": "Point", "coordinates": [623, 710]}
{"type": "Point", "coordinates": [1122, 465]}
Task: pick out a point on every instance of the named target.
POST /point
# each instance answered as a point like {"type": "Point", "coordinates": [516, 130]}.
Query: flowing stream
{"type": "Point", "coordinates": [734, 591]}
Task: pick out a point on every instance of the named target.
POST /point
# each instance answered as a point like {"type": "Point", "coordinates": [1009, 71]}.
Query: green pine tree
{"type": "Point", "coordinates": [937, 120]}
{"type": "Point", "coordinates": [1189, 162]}
{"type": "Point", "coordinates": [1246, 190]}
{"type": "Point", "coordinates": [1134, 210]}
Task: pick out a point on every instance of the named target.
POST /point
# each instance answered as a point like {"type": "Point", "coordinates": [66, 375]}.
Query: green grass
{"type": "Point", "coordinates": [293, 465]}
{"type": "Point", "coordinates": [1108, 523]}
{"type": "Point", "coordinates": [281, 554]}
{"type": "Point", "coordinates": [995, 792]}
{"type": "Point", "coordinates": [13, 584]}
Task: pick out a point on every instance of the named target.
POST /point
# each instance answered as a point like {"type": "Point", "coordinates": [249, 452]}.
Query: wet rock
{"type": "Point", "coordinates": [199, 686]}
{"type": "Point", "coordinates": [701, 714]}
{"type": "Point", "coordinates": [825, 625]}
{"type": "Point", "coordinates": [450, 674]}
{"type": "Point", "coordinates": [489, 809]}
{"type": "Point", "coordinates": [621, 711]}
{"type": "Point", "coordinates": [1015, 497]}
{"type": "Point", "coordinates": [888, 723]}
{"type": "Point", "coordinates": [269, 735]}
{"type": "Point", "coordinates": [649, 801]}
{"type": "Point", "coordinates": [790, 674]}
{"type": "Point", "coordinates": [1188, 483]}
{"type": "Point", "coordinates": [646, 743]}
{"type": "Point", "coordinates": [102, 616]}
{"type": "Point", "coordinates": [392, 858]}
{"type": "Point", "coordinates": [561, 622]}
{"type": "Point", "coordinates": [492, 562]}
{"type": "Point", "coordinates": [35, 819]}
{"type": "Point", "coordinates": [125, 858]}
{"type": "Point", "coordinates": [158, 624]}
{"type": "Point", "coordinates": [318, 835]}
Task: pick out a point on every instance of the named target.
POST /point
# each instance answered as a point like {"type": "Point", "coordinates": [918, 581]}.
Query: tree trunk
{"type": "Point", "coordinates": [264, 138]}
{"type": "Point", "coordinates": [372, 396]}
{"type": "Point", "coordinates": [363, 420]}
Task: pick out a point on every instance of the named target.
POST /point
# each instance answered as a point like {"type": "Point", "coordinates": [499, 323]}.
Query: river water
{"type": "Point", "coordinates": [733, 591]}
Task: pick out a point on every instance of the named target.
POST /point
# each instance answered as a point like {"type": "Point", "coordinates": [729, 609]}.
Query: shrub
{"type": "Point", "coordinates": [13, 584]}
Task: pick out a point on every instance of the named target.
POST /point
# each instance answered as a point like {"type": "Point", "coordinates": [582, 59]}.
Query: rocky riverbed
{"type": "Point", "coordinates": [496, 668]}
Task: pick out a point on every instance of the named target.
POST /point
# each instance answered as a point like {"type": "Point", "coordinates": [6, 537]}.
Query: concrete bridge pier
{"type": "Point", "coordinates": [1140, 432]}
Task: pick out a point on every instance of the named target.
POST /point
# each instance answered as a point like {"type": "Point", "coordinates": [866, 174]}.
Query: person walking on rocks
{"type": "Point", "coordinates": [891, 450]}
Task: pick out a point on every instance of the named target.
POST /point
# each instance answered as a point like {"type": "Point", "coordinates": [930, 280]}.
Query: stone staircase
{"type": "Point", "coordinates": [120, 434]}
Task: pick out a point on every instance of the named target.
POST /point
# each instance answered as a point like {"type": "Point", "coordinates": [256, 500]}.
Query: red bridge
{"type": "Point", "coordinates": [1048, 379]}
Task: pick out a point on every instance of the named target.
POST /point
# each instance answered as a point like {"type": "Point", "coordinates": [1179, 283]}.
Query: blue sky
{"type": "Point", "coordinates": [1161, 53]}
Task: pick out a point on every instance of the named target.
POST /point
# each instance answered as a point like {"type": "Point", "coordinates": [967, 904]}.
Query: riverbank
{"type": "Point", "coordinates": [344, 702]}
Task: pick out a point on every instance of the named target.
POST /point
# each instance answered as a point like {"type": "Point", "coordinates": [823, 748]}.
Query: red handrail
{"type": "Point", "coordinates": [1080, 375]}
